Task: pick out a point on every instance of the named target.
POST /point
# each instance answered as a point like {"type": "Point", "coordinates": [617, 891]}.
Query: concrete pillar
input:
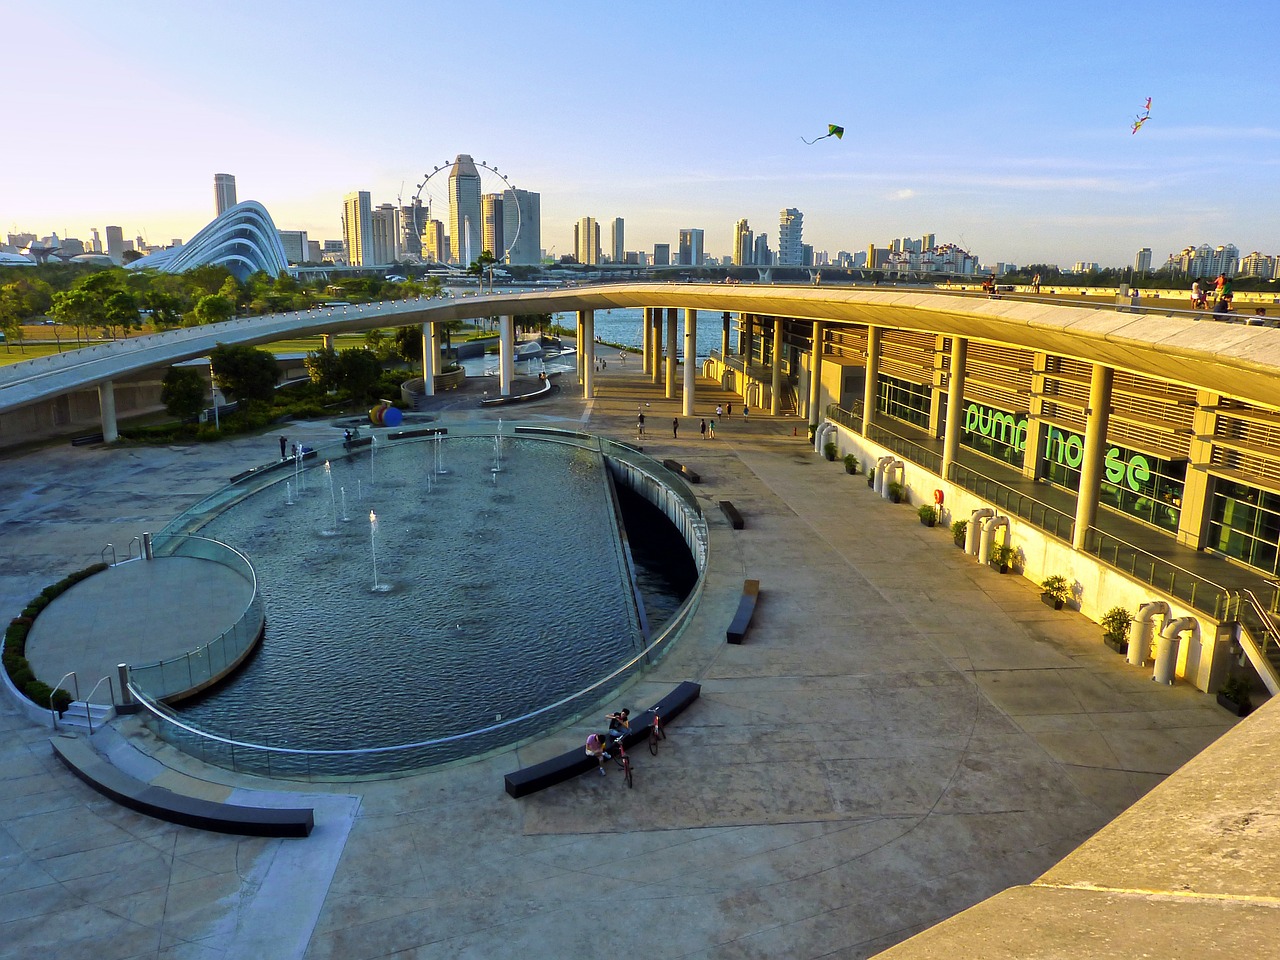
{"type": "Point", "coordinates": [775, 382]}
{"type": "Point", "coordinates": [587, 321]}
{"type": "Point", "coordinates": [430, 358]}
{"type": "Point", "coordinates": [814, 413]}
{"type": "Point", "coordinates": [579, 348]}
{"type": "Point", "coordinates": [870, 389]}
{"type": "Point", "coordinates": [655, 337]}
{"type": "Point", "coordinates": [690, 359]}
{"type": "Point", "coordinates": [1095, 441]}
{"type": "Point", "coordinates": [107, 405]}
{"type": "Point", "coordinates": [955, 404]}
{"type": "Point", "coordinates": [724, 336]}
{"type": "Point", "coordinates": [506, 354]}
{"type": "Point", "coordinates": [671, 354]}
{"type": "Point", "coordinates": [326, 341]}
{"type": "Point", "coordinates": [646, 323]}
{"type": "Point", "coordinates": [744, 338]}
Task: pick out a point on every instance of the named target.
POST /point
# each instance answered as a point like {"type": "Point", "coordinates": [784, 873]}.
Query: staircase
{"type": "Point", "coordinates": [79, 715]}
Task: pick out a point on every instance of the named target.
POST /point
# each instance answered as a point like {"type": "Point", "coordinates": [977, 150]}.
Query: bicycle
{"type": "Point", "coordinates": [622, 760]}
{"type": "Point", "coordinates": [656, 731]}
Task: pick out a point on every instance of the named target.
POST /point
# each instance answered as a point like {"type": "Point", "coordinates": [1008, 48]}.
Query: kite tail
{"type": "Point", "coordinates": [816, 139]}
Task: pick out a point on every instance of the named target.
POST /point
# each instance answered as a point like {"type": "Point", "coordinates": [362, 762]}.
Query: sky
{"type": "Point", "coordinates": [1002, 126]}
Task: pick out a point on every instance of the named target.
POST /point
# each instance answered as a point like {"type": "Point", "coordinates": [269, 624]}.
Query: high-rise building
{"type": "Point", "coordinates": [385, 221]}
{"type": "Point", "coordinates": [95, 244]}
{"type": "Point", "coordinates": [790, 244]}
{"type": "Point", "coordinates": [413, 218]}
{"type": "Point", "coordinates": [743, 251]}
{"type": "Point", "coordinates": [115, 244]}
{"type": "Point", "coordinates": [522, 219]}
{"type": "Point", "coordinates": [333, 251]}
{"type": "Point", "coordinates": [435, 244]}
{"type": "Point", "coordinates": [662, 254]}
{"type": "Point", "coordinates": [357, 228]}
{"type": "Point", "coordinates": [314, 253]}
{"type": "Point", "coordinates": [586, 241]}
{"type": "Point", "coordinates": [465, 221]}
{"type": "Point", "coordinates": [295, 245]}
{"type": "Point", "coordinates": [761, 255]}
{"type": "Point", "coordinates": [1142, 262]}
{"type": "Point", "coordinates": [616, 242]}
{"type": "Point", "coordinates": [493, 237]}
{"type": "Point", "coordinates": [224, 192]}
{"type": "Point", "coordinates": [692, 252]}
{"type": "Point", "coordinates": [1258, 265]}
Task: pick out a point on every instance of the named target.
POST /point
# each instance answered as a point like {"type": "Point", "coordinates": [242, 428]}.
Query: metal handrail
{"type": "Point", "coordinates": [102, 554]}
{"type": "Point", "coordinates": [75, 682]}
{"type": "Point", "coordinates": [110, 686]}
{"type": "Point", "coordinates": [1196, 591]}
{"type": "Point", "coordinates": [845, 417]}
{"type": "Point", "coordinates": [903, 447]}
{"type": "Point", "coordinates": [1036, 512]}
{"type": "Point", "coordinates": [1258, 636]}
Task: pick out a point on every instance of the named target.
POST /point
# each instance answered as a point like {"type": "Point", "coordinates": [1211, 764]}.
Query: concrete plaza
{"type": "Point", "coordinates": [903, 735]}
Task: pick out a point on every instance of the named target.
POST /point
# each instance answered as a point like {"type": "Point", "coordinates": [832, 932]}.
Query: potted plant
{"type": "Point", "coordinates": [829, 450]}
{"type": "Point", "coordinates": [1002, 556]}
{"type": "Point", "coordinates": [1115, 629]}
{"type": "Point", "coordinates": [871, 475]}
{"type": "Point", "coordinates": [1056, 591]}
{"type": "Point", "coordinates": [959, 528]}
{"type": "Point", "coordinates": [895, 491]}
{"type": "Point", "coordinates": [928, 514]}
{"type": "Point", "coordinates": [850, 463]}
{"type": "Point", "coordinates": [813, 430]}
{"type": "Point", "coordinates": [1234, 695]}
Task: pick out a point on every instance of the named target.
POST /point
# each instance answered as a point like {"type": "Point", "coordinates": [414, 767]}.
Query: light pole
{"type": "Point", "coordinates": [213, 392]}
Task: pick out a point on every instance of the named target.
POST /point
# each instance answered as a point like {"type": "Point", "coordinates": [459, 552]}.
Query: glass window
{"type": "Point", "coordinates": [1142, 485]}
{"type": "Point", "coordinates": [904, 400]}
{"type": "Point", "coordinates": [1244, 523]}
{"type": "Point", "coordinates": [996, 433]}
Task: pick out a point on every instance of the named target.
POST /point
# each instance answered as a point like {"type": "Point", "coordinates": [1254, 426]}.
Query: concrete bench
{"type": "Point", "coordinates": [746, 607]}
{"type": "Point", "coordinates": [418, 432]}
{"type": "Point", "coordinates": [82, 760]}
{"type": "Point", "coordinates": [566, 766]}
{"type": "Point", "coordinates": [675, 466]}
{"type": "Point", "coordinates": [731, 514]}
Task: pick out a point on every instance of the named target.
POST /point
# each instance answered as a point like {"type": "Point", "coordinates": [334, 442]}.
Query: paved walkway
{"type": "Point", "coordinates": [903, 734]}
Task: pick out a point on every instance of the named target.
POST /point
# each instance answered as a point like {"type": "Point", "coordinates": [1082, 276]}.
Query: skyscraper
{"type": "Point", "coordinates": [493, 237]}
{"type": "Point", "coordinates": [357, 228]}
{"type": "Point", "coordinates": [1142, 262]}
{"type": "Point", "coordinates": [435, 245]}
{"type": "Point", "coordinates": [295, 245]}
{"type": "Point", "coordinates": [96, 244]}
{"type": "Point", "coordinates": [385, 221]}
{"type": "Point", "coordinates": [692, 253]}
{"type": "Point", "coordinates": [617, 244]}
{"type": "Point", "coordinates": [662, 254]}
{"type": "Point", "coordinates": [586, 241]}
{"type": "Point", "coordinates": [743, 252]}
{"type": "Point", "coordinates": [790, 245]}
{"type": "Point", "coordinates": [464, 211]}
{"type": "Point", "coordinates": [224, 192]}
{"type": "Point", "coordinates": [115, 244]}
{"type": "Point", "coordinates": [521, 209]}
{"type": "Point", "coordinates": [413, 220]}
{"type": "Point", "coordinates": [762, 256]}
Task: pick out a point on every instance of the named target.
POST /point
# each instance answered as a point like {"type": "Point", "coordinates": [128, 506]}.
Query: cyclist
{"type": "Point", "coordinates": [595, 748]}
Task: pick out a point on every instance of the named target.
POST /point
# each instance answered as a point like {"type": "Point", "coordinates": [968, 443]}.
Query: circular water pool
{"type": "Point", "coordinates": [492, 584]}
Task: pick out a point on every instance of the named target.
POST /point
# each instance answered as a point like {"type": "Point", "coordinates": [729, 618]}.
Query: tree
{"type": "Point", "coordinates": [213, 309]}
{"type": "Point", "coordinates": [358, 372]}
{"type": "Point", "coordinates": [78, 309]}
{"type": "Point", "coordinates": [245, 373]}
{"type": "Point", "coordinates": [408, 344]}
{"type": "Point", "coordinates": [538, 321]}
{"type": "Point", "coordinates": [481, 265]}
{"type": "Point", "coordinates": [182, 392]}
{"type": "Point", "coordinates": [120, 313]}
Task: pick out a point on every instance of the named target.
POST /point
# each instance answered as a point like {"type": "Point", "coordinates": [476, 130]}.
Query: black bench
{"type": "Point", "coordinates": [566, 766]}
{"type": "Point", "coordinates": [746, 607]}
{"type": "Point", "coordinates": [675, 466]}
{"type": "Point", "coordinates": [82, 760]}
{"type": "Point", "coordinates": [731, 514]}
{"type": "Point", "coordinates": [418, 432]}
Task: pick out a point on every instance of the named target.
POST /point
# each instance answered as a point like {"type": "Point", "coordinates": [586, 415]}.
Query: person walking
{"type": "Point", "coordinates": [728, 410]}
{"type": "Point", "coordinates": [746, 411]}
{"type": "Point", "coordinates": [711, 429]}
{"type": "Point", "coordinates": [284, 445]}
{"type": "Point", "coordinates": [640, 423]}
{"type": "Point", "coordinates": [675, 428]}
{"type": "Point", "coordinates": [719, 410]}
{"type": "Point", "coordinates": [702, 428]}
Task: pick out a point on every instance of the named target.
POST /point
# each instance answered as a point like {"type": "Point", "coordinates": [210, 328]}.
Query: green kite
{"type": "Point", "coordinates": [832, 131]}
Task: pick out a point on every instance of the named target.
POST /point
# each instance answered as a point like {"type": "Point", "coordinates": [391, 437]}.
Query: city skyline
{"type": "Point", "coordinates": [1008, 135]}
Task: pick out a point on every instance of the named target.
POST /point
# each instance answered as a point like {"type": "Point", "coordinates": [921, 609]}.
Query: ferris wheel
{"type": "Point", "coordinates": [465, 223]}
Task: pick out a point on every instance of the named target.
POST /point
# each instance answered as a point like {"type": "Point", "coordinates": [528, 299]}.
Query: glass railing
{"type": "Point", "coordinates": [1035, 512]}
{"type": "Point", "coordinates": [907, 449]}
{"type": "Point", "coordinates": [851, 419]}
{"type": "Point", "coordinates": [1195, 591]}
{"type": "Point", "coordinates": [205, 664]}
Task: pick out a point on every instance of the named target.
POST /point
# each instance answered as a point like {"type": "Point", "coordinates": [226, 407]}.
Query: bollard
{"type": "Point", "coordinates": [146, 547]}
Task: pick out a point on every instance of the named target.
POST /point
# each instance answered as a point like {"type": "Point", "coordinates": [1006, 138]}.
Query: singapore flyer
{"type": "Point", "coordinates": [466, 207]}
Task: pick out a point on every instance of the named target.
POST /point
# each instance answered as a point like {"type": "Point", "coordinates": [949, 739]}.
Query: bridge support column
{"type": "Point", "coordinates": [326, 341]}
{"type": "Point", "coordinates": [655, 338]}
{"type": "Point", "coordinates": [506, 354]}
{"type": "Point", "coordinates": [690, 359]}
{"type": "Point", "coordinates": [814, 413]}
{"type": "Point", "coordinates": [775, 382]}
{"type": "Point", "coordinates": [646, 324]}
{"type": "Point", "coordinates": [587, 324]}
{"type": "Point", "coordinates": [430, 358]}
{"type": "Point", "coordinates": [955, 404]}
{"type": "Point", "coordinates": [871, 388]}
{"type": "Point", "coordinates": [1095, 441]}
{"type": "Point", "coordinates": [724, 337]}
{"type": "Point", "coordinates": [107, 406]}
{"type": "Point", "coordinates": [670, 392]}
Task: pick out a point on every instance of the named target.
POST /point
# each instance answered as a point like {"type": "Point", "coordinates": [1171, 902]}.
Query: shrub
{"type": "Point", "coordinates": [959, 528]}
{"type": "Point", "coordinates": [928, 514]}
{"type": "Point", "coordinates": [1115, 623]}
{"type": "Point", "coordinates": [61, 700]}
{"type": "Point", "coordinates": [1057, 587]}
{"type": "Point", "coordinates": [829, 450]}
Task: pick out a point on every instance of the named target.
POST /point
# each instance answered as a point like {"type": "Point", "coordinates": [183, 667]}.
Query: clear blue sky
{"type": "Point", "coordinates": [1002, 126]}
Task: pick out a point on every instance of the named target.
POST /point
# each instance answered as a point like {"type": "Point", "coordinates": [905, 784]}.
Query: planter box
{"type": "Point", "coordinates": [929, 523]}
{"type": "Point", "coordinates": [1051, 601]}
{"type": "Point", "coordinates": [1238, 709]}
{"type": "Point", "coordinates": [850, 470]}
{"type": "Point", "coordinates": [871, 479]}
{"type": "Point", "coordinates": [1119, 646]}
